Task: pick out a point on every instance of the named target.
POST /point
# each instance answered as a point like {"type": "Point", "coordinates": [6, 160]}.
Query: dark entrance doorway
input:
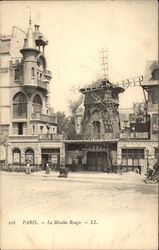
{"type": "Point", "coordinates": [51, 155]}
{"type": "Point", "coordinates": [97, 161]}
{"type": "Point", "coordinates": [45, 159]}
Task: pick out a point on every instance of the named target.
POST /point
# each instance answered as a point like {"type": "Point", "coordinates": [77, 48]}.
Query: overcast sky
{"type": "Point", "coordinates": [77, 29]}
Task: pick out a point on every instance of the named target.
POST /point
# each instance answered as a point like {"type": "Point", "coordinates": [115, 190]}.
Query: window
{"type": "Point", "coordinates": [33, 129]}
{"type": "Point", "coordinates": [16, 156]}
{"type": "Point", "coordinates": [155, 95]}
{"type": "Point", "coordinates": [37, 104]}
{"type": "Point", "coordinates": [16, 74]}
{"type": "Point", "coordinates": [96, 127]}
{"type": "Point", "coordinates": [132, 156]}
{"type": "Point", "coordinates": [41, 129]}
{"type": "Point", "coordinates": [20, 128]}
{"type": "Point", "coordinates": [79, 158]}
{"type": "Point", "coordinates": [48, 128]}
{"type": "Point", "coordinates": [40, 76]}
{"type": "Point", "coordinates": [32, 72]}
{"type": "Point", "coordinates": [19, 106]}
{"type": "Point", "coordinates": [37, 75]}
{"type": "Point", "coordinates": [29, 156]}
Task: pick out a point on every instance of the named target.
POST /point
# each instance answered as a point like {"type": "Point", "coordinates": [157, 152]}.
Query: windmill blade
{"type": "Point", "coordinates": [134, 81]}
{"type": "Point", "coordinates": [103, 56]}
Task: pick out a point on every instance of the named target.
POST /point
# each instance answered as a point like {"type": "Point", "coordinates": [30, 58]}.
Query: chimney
{"type": "Point", "coordinates": [36, 27]}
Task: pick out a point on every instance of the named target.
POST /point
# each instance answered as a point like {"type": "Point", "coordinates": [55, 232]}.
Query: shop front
{"type": "Point", "coordinates": [91, 155]}
{"type": "Point", "coordinates": [51, 156]}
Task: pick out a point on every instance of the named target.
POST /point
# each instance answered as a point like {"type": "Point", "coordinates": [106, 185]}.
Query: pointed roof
{"type": "Point", "coordinates": [29, 41]}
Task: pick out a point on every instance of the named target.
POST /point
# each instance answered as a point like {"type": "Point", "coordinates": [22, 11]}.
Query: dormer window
{"type": "Point", "coordinates": [32, 72]}
{"type": "Point", "coordinates": [16, 75]}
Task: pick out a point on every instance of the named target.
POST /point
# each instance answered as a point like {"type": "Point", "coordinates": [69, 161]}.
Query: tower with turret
{"type": "Point", "coordinates": [28, 91]}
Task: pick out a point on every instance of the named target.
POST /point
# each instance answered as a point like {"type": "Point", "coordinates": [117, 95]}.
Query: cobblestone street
{"type": "Point", "coordinates": [86, 210]}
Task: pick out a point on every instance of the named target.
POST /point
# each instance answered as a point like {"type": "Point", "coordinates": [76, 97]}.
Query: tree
{"type": "Point", "coordinates": [65, 125]}
{"type": "Point", "coordinates": [139, 108]}
{"type": "Point", "coordinates": [73, 105]}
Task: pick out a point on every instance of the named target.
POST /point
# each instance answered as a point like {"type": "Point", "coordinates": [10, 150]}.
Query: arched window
{"type": "Point", "coordinates": [19, 106]}
{"type": "Point", "coordinates": [16, 156]}
{"type": "Point", "coordinates": [37, 104]}
{"type": "Point", "coordinates": [96, 127]}
{"type": "Point", "coordinates": [29, 156]}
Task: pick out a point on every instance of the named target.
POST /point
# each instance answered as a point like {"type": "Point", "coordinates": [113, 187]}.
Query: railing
{"type": "Point", "coordinates": [48, 73]}
{"type": "Point", "coordinates": [51, 137]}
{"type": "Point", "coordinates": [44, 118]}
{"type": "Point", "coordinates": [23, 137]}
{"type": "Point", "coordinates": [135, 135]}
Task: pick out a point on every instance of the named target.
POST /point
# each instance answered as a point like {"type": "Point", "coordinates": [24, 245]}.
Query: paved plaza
{"type": "Point", "coordinates": [88, 210]}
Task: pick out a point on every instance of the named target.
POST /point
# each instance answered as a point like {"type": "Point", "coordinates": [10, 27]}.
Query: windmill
{"type": "Point", "coordinates": [105, 94]}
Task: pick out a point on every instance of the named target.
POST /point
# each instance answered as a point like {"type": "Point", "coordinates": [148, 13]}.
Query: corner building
{"type": "Point", "coordinates": [140, 146]}
{"type": "Point", "coordinates": [28, 127]}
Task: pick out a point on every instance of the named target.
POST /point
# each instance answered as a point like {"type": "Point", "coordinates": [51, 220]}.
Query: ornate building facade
{"type": "Point", "coordinates": [27, 122]}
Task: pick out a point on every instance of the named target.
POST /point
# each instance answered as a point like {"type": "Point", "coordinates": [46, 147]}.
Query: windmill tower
{"type": "Point", "coordinates": [101, 116]}
{"type": "Point", "coordinates": [101, 103]}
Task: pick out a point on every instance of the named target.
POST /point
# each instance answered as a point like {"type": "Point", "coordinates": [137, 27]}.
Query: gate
{"type": "Point", "coordinates": [96, 161]}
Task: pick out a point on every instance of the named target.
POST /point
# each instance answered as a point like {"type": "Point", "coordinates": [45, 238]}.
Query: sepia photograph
{"type": "Point", "coordinates": [79, 125]}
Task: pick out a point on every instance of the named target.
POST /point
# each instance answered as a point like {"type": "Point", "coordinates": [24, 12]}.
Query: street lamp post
{"type": "Point", "coordinates": [147, 154]}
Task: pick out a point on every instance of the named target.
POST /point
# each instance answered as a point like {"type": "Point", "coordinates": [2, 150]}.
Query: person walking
{"type": "Point", "coordinates": [150, 172]}
{"type": "Point", "coordinates": [47, 168]}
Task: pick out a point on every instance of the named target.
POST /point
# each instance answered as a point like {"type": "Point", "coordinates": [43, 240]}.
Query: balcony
{"type": "Point", "coordinates": [44, 118]}
{"type": "Point", "coordinates": [135, 135]}
{"type": "Point", "coordinates": [23, 138]}
{"type": "Point", "coordinates": [36, 138]}
{"type": "Point", "coordinates": [51, 137]}
{"type": "Point", "coordinates": [48, 73]}
{"type": "Point", "coordinates": [43, 84]}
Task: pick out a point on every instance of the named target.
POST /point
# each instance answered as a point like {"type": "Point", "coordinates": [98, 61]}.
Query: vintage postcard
{"type": "Point", "coordinates": [79, 152]}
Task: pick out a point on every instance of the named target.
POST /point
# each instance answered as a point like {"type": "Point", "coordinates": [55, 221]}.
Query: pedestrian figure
{"type": "Point", "coordinates": [47, 168]}
{"type": "Point", "coordinates": [121, 169]}
{"type": "Point", "coordinates": [150, 172]}
{"type": "Point", "coordinates": [109, 169]}
{"type": "Point", "coordinates": [28, 169]}
{"type": "Point", "coordinates": [63, 171]}
{"type": "Point", "coordinates": [105, 168]}
{"type": "Point", "coordinates": [73, 166]}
